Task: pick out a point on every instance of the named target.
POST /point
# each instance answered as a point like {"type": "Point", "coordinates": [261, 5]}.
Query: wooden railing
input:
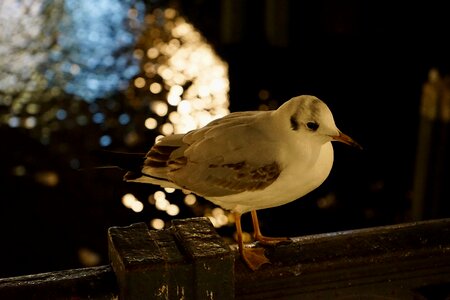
{"type": "Point", "coordinates": [190, 260]}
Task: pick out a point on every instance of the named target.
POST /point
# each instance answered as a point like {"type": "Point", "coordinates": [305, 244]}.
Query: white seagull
{"type": "Point", "coordinates": [248, 161]}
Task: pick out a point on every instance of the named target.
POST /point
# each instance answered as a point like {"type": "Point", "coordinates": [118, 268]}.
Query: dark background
{"type": "Point", "coordinates": [367, 61]}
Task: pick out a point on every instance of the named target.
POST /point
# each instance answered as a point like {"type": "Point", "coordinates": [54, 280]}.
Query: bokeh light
{"type": "Point", "coordinates": [97, 41]}
{"type": "Point", "coordinates": [55, 53]}
{"type": "Point", "coordinates": [183, 74]}
{"type": "Point", "coordinates": [77, 76]}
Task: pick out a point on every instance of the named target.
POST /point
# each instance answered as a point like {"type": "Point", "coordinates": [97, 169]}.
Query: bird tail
{"type": "Point", "coordinates": [162, 158]}
{"type": "Point", "coordinates": [117, 160]}
{"type": "Point", "coordinates": [140, 177]}
{"type": "Point", "coordinates": [152, 167]}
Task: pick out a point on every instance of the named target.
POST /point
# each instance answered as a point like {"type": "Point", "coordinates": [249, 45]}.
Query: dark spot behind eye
{"type": "Point", "coordinates": [312, 125]}
{"type": "Point", "coordinates": [294, 123]}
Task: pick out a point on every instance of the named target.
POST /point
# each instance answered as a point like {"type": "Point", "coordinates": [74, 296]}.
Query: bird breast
{"type": "Point", "coordinates": [299, 176]}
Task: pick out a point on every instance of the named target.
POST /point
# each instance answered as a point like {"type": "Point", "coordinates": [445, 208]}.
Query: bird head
{"type": "Point", "coordinates": [309, 116]}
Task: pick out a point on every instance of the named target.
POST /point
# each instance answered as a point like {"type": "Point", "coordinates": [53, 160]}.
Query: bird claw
{"type": "Point", "coordinates": [272, 241]}
{"type": "Point", "coordinates": [254, 258]}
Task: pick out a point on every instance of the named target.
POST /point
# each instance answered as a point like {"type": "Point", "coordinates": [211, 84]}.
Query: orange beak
{"type": "Point", "coordinates": [346, 140]}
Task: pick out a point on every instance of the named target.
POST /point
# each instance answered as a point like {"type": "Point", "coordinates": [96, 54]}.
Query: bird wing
{"type": "Point", "coordinates": [216, 160]}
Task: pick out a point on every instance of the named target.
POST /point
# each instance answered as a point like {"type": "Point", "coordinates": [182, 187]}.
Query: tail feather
{"type": "Point", "coordinates": [145, 178]}
{"type": "Point", "coordinates": [126, 161]}
{"type": "Point", "coordinates": [152, 167]}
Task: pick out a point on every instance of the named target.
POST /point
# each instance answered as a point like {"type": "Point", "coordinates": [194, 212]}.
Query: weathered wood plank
{"type": "Point", "coordinates": [88, 283]}
{"type": "Point", "coordinates": [406, 261]}
{"type": "Point", "coordinates": [397, 262]}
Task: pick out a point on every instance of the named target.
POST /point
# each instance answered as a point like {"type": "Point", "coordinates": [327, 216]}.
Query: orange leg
{"type": "Point", "coordinates": [253, 257]}
{"type": "Point", "coordinates": [264, 239]}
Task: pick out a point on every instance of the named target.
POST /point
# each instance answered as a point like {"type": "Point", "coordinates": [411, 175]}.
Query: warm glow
{"type": "Point", "coordinates": [155, 88]}
{"type": "Point", "coordinates": [214, 221]}
{"type": "Point", "coordinates": [191, 76]}
{"type": "Point", "coordinates": [151, 123]}
{"type": "Point", "coordinates": [159, 195]}
{"type": "Point", "coordinates": [165, 73]}
{"type": "Point", "coordinates": [170, 13]}
{"type": "Point", "coordinates": [217, 212]}
{"type": "Point", "coordinates": [139, 82]}
{"type": "Point", "coordinates": [157, 224]}
{"type": "Point", "coordinates": [263, 95]}
{"type": "Point", "coordinates": [167, 129]}
{"type": "Point", "coordinates": [88, 257]}
{"type": "Point", "coordinates": [174, 82]}
{"type": "Point", "coordinates": [128, 199]}
{"type": "Point", "coordinates": [173, 210]}
{"type": "Point", "coordinates": [162, 204]}
{"type": "Point", "coordinates": [137, 206]}
{"type": "Point", "coordinates": [176, 90]}
{"type": "Point", "coordinates": [184, 108]}
{"type": "Point", "coordinates": [32, 108]}
{"type": "Point", "coordinates": [158, 138]}
{"type": "Point", "coordinates": [159, 107]}
{"type": "Point", "coordinates": [173, 99]}
{"type": "Point", "coordinates": [169, 190]}
{"type": "Point", "coordinates": [30, 122]}
{"type": "Point", "coordinates": [48, 178]}
{"type": "Point", "coordinates": [190, 199]}
{"type": "Point", "coordinates": [19, 170]}
{"type": "Point", "coordinates": [218, 217]}
{"type": "Point", "coordinates": [174, 117]}
{"type": "Point", "coordinates": [152, 53]}
{"type": "Point", "coordinates": [131, 202]}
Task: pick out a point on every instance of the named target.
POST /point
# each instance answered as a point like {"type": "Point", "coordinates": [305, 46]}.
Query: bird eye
{"type": "Point", "coordinates": [312, 125]}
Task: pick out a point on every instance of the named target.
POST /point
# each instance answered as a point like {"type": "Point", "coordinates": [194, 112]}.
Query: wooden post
{"type": "Point", "coordinates": [187, 261]}
{"type": "Point", "coordinates": [431, 174]}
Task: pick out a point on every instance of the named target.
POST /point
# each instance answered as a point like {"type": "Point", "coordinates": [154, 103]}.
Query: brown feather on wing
{"type": "Point", "coordinates": [158, 156]}
{"type": "Point", "coordinates": [228, 178]}
{"type": "Point", "coordinates": [246, 177]}
{"type": "Point", "coordinates": [157, 165]}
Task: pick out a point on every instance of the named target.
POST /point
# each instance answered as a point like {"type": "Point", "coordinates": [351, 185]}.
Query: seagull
{"type": "Point", "coordinates": [248, 161]}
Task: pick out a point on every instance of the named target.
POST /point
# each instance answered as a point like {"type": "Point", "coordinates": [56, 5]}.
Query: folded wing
{"type": "Point", "coordinates": [216, 160]}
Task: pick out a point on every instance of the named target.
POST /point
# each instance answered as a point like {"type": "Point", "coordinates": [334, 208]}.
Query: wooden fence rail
{"type": "Point", "coordinates": [190, 260]}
